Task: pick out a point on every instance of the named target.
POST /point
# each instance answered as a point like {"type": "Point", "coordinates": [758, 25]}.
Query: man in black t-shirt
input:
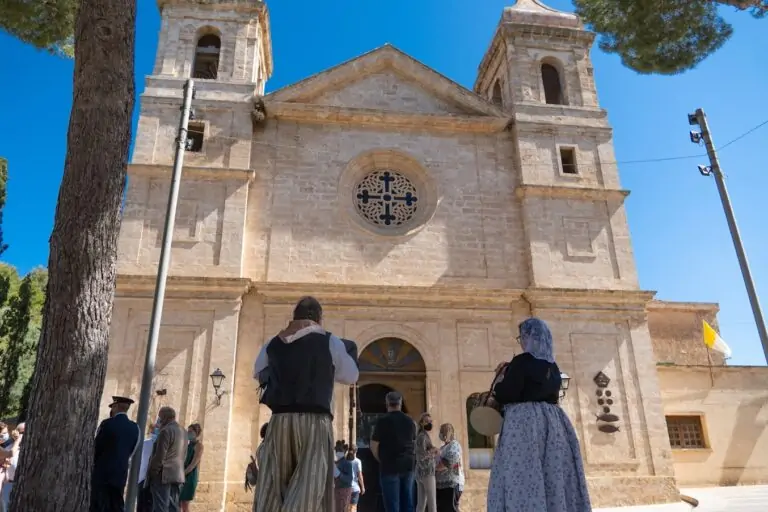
{"type": "Point", "coordinates": [393, 443]}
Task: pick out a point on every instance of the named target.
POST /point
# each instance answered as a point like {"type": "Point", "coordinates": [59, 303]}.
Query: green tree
{"type": "Point", "coordinates": [45, 24]}
{"type": "Point", "coordinates": [9, 283]}
{"type": "Point", "coordinates": [662, 36]}
{"type": "Point", "coordinates": [72, 355]}
{"type": "Point", "coordinates": [3, 185]}
{"type": "Point", "coordinates": [19, 332]}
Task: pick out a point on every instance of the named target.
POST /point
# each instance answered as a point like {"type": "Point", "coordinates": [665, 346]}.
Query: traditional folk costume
{"type": "Point", "coordinates": [537, 464]}
{"type": "Point", "coordinates": [296, 370]}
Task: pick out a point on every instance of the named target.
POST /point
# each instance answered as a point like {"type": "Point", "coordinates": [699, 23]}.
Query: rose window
{"type": "Point", "coordinates": [386, 198]}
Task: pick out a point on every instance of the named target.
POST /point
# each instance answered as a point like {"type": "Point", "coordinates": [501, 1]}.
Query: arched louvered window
{"type": "Point", "coordinates": [497, 99]}
{"type": "Point", "coordinates": [207, 57]}
{"type": "Point", "coordinates": [553, 88]}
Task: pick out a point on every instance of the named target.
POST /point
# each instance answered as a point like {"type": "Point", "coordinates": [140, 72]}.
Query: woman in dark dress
{"type": "Point", "coordinates": [537, 464]}
{"type": "Point", "coordinates": [191, 466]}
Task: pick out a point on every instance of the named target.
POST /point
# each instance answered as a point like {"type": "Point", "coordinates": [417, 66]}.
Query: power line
{"type": "Point", "coordinates": [744, 134]}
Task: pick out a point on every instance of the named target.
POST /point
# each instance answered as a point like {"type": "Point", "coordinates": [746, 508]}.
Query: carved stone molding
{"type": "Point", "coordinates": [143, 286]}
{"type": "Point", "coordinates": [559, 192]}
{"type": "Point", "coordinates": [207, 173]}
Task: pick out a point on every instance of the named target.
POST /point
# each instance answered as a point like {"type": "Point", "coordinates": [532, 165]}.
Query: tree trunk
{"type": "Point", "coordinates": [57, 452]}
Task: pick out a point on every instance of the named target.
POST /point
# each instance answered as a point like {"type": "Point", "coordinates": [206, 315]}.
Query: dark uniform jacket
{"type": "Point", "coordinates": [116, 440]}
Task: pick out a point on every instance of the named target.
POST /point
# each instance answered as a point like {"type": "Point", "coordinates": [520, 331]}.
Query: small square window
{"type": "Point", "coordinates": [195, 136]}
{"type": "Point", "coordinates": [686, 432]}
{"type": "Point", "coordinates": [568, 160]}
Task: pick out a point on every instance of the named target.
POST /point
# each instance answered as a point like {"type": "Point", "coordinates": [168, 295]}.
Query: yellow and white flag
{"type": "Point", "coordinates": [714, 341]}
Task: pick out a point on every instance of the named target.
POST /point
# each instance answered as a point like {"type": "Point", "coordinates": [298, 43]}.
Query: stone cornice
{"type": "Point", "coordinates": [525, 31]}
{"type": "Point", "coordinates": [698, 307]}
{"type": "Point", "coordinates": [560, 192]}
{"type": "Point", "coordinates": [580, 299]}
{"type": "Point", "coordinates": [389, 296]}
{"type": "Point", "coordinates": [256, 6]}
{"type": "Point", "coordinates": [452, 296]}
{"type": "Point", "coordinates": [143, 286]}
{"type": "Point", "coordinates": [211, 94]}
{"type": "Point", "coordinates": [207, 173]}
{"type": "Point", "coordinates": [537, 117]}
{"type": "Point", "coordinates": [457, 297]}
{"type": "Point", "coordinates": [325, 114]}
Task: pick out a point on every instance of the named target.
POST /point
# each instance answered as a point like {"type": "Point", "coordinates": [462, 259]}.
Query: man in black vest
{"type": "Point", "coordinates": [116, 440]}
{"type": "Point", "coordinates": [296, 371]}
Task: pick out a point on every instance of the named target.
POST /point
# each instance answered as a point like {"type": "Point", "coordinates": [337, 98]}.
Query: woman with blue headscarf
{"type": "Point", "coordinates": [537, 464]}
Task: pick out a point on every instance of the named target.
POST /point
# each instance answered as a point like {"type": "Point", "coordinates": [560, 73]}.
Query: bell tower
{"type": "Point", "coordinates": [222, 41]}
{"type": "Point", "coordinates": [225, 47]}
{"type": "Point", "coordinates": [538, 68]}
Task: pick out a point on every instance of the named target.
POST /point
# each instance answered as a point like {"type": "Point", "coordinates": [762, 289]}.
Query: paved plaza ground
{"type": "Point", "coordinates": [752, 498]}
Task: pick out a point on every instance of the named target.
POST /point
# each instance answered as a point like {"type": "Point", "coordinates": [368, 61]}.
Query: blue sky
{"type": "Point", "coordinates": [680, 237]}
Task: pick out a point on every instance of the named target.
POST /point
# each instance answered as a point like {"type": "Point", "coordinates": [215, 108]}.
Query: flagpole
{"type": "Point", "coordinates": [711, 375]}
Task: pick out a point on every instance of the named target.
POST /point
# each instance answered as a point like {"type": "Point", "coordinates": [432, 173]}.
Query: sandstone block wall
{"type": "Point", "coordinates": [733, 405]}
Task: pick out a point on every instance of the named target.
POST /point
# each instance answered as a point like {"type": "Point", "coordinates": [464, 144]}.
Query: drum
{"type": "Point", "coordinates": [486, 417]}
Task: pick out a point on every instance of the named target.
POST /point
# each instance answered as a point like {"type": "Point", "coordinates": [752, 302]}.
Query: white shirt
{"type": "Point", "coordinates": [146, 453]}
{"type": "Point", "coordinates": [10, 471]}
{"type": "Point", "coordinates": [344, 367]}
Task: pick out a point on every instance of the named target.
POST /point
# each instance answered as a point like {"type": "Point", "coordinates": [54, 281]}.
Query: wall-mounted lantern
{"type": "Point", "coordinates": [217, 378]}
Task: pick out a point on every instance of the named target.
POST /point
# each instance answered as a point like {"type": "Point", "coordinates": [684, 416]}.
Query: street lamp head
{"type": "Point", "coordinates": [217, 378]}
{"type": "Point", "coordinates": [705, 170]}
{"type": "Point", "coordinates": [565, 382]}
{"type": "Point", "coordinates": [695, 137]}
{"type": "Point", "coordinates": [693, 120]}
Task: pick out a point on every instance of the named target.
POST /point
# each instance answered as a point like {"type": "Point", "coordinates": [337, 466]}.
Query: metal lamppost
{"type": "Point", "coordinates": [159, 299]}
{"type": "Point", "coordinates": [699, 118]}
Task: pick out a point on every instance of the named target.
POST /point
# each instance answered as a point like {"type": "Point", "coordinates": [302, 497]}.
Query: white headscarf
{"type": "Point", "coordinates": [536, 339]}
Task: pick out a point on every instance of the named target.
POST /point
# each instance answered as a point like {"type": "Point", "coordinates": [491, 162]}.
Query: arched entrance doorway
{"type": "Point", "coordinates": [387, 364]}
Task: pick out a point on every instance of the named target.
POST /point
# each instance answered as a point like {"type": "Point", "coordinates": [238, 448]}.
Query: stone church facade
{"type": "Point", "coordinates": [429, 220]}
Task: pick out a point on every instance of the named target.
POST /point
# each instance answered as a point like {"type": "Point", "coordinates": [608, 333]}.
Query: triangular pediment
{"type": "Point", "coordinates": [387, 80]}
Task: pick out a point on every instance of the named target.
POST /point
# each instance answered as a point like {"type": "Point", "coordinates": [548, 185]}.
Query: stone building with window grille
{"type": "Point", "coordinates": [429, 220]}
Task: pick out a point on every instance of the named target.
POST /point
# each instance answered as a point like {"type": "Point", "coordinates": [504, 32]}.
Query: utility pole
{"type": "Point", "coordinates": [700, 119]}
{"type": "Point", "coordinates": [157, 306]}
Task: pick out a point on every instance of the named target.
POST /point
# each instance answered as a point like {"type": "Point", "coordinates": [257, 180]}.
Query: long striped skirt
{"type": "Point", "coordinates": [296, 465]}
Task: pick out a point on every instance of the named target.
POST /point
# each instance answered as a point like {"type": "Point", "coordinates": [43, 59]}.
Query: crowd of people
{"type": "Point", "coordinates": [537, 463]}
{"type": "Point", "coordinates": [169, 468]}
{"type": "Point", "coordinates": [10, 445]}
{"type": "Point", "coordinates": [298, 467]}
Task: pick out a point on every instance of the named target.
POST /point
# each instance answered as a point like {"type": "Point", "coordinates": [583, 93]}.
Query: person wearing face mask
{"type": "Point", "coordinates": [191, 466]}
{"type": "Point", "coordinates": [5, 437]}
{"type": "Point", "coordinates": [449, 474]}
{"type": "Point", "coordinates": [116, 440]}
{"type": "Point", "coordinates": [6, 444]}
{"type": "Point", "coordinates": [343, 475]}
{"type": "Point", "coordinates": [144, 501]}
{"type": "Point", "coordinates": [425, 466]}
{"type": "Point", "coordinates": [166, 465]}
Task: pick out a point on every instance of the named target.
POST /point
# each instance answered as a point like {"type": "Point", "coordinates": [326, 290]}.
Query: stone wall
{"type": "Point", "coordinates": [733, 405]}
{"type": "Point", "coordinates": [197, 336]}
{"type": "Point", "coordinates": [677, 333]}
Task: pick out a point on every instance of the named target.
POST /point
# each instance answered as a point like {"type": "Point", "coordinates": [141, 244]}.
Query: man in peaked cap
{"type": "Point", "coordinates": [116, 440]}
